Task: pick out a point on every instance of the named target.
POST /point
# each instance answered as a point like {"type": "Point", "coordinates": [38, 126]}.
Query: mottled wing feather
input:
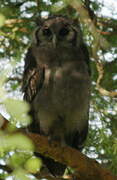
{"type": "Point", "coordinates": [33, 77]}
{"type": "Point", "coordinates": [30, 84]}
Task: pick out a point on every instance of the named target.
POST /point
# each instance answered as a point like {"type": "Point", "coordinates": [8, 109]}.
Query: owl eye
{"type": "Point", "coordinates": [47, 32]}
{"type": "Point", "coordinates": [63, 32]}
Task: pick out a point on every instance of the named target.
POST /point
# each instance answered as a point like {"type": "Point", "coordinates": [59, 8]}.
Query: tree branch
{"type": "Point", "coordinates": [103, 91]}
{"type": "Point", "coordinates": [18, 79]}
{"type": "Point", "coordinates": [99, 43]}
{"type": "Point", "coordinates": [85, 168]}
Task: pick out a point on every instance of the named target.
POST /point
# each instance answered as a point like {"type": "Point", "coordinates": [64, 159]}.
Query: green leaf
{"type": "Point", "coordinates": [18, 110]}
{"type": "Point", "coordinates": [20, 174]}
{"type": "Point", "coordinates": [33, 165]}
{"type": "Point", "coordinates": [2, 20]}
{"type": "Point", "coordinates": [13, 142]}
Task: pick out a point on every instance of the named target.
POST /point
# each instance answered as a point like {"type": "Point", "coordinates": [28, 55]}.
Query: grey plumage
{"type": "Point", "coordinates": [56, 83]}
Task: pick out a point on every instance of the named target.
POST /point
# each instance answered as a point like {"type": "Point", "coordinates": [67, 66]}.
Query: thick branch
{"type": "Point", "coordinates": [85, 168]}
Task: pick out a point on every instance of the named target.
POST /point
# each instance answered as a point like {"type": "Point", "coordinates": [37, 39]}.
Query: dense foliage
{"type": "Point", "coordinates": [18, 18]}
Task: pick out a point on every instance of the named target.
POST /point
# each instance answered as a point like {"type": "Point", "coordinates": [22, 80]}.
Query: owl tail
{"type": "Point", "coordinates": [55, 168]}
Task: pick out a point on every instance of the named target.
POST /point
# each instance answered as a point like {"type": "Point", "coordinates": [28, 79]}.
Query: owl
{"type": "Point", "coordinates": [56, 84]}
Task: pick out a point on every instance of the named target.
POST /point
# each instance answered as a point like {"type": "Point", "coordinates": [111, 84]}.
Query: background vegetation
{"type": "Point", "coordinates": [17, 20]}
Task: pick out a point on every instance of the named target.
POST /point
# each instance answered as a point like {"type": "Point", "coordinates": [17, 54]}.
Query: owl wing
{"type": "Point", "coordinates": [33, 77]}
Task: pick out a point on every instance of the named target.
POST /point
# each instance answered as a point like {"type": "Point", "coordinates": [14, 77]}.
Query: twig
{"type": "Point", "coordinates": [19, 80]}
{"type": "Point", "coordinates": [103, 91]}
{"type": "Point", "coordinates": [6, 168]}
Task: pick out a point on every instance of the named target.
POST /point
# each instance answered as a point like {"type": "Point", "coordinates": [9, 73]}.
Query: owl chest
{"type": "Point", "coordinates": [64, 86]}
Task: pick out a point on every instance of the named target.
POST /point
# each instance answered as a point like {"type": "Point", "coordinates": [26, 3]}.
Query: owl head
{"type": "Point", "coordinates": [57, 31]}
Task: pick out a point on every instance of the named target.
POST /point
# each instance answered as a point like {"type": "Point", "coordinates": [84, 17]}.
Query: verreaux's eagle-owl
{"type": "Point", "coordinates": [56, 83]}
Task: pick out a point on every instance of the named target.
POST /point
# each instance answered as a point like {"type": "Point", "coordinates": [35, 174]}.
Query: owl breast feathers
{"type": "Point", "coordinates": [56, 81]}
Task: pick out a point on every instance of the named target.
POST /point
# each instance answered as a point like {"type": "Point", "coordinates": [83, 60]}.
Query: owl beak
{"type": "Point", "coordinates": [54, 41]}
